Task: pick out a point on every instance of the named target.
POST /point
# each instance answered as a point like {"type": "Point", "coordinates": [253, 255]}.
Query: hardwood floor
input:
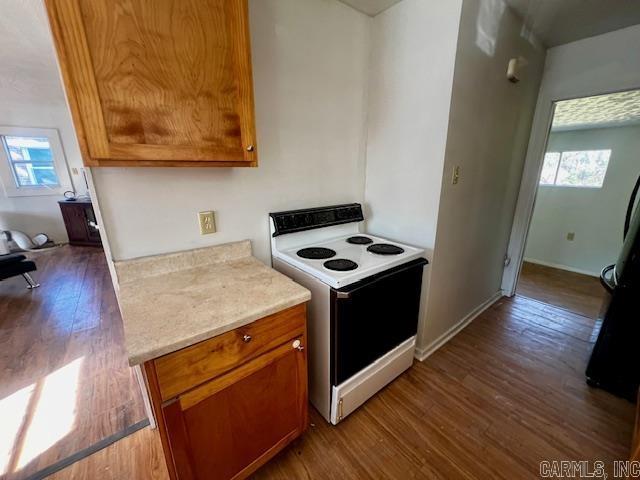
{"type": "Point", "coordinates": [576, 292]}
{"type": "Point", "coordinates": [503, 395]}
{"type": "Point", "coordinates": [65, 383]}
{"type": "Point", "coordinates": [136, 457]}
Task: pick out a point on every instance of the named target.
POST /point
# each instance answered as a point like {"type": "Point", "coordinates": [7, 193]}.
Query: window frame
{"type": "Point", "coordinates": [7, 177]}
{"type": "Point", "coordinates": [560, 158]}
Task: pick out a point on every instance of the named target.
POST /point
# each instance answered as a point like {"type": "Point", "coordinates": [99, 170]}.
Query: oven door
{"type": "Point", "coordinates": [371, 317]}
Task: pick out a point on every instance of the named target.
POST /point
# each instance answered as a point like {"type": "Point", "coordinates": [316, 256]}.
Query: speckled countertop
{"type": "Point", "coordinates": [172, 301]}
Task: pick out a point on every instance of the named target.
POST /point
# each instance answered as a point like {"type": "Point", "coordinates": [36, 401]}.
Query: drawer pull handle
{"type": "Point", "coordinates": [297, 345]}
{"type": "Point", "coordinates": [246, 338]}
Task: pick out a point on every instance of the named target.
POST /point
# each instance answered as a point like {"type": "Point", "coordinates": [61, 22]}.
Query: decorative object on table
{"type": "Point", "coordinates": [80, 221]}
{"type": "Point", "coordinates": [17, 241]}
{"type": "Point", "coordinates": [70, 196]}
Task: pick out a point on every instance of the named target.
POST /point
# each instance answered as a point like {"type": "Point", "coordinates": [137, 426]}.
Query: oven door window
{"type": "Point", "coordinates": [372, 317]}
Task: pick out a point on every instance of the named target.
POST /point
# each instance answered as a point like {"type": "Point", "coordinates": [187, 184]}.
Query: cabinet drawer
{"type": "Point", "coordinates": [182, 370]}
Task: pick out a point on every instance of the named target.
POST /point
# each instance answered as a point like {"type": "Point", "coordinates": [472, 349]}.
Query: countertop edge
{"type": "Point", "coordinates": [201, 337]}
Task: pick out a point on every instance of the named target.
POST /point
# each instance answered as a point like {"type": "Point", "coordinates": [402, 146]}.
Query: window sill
{"type": "Point", "coordinates": [13, 192]}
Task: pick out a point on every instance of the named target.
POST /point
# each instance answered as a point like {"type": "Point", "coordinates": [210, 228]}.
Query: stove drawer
{"type": "Point", "coordinates": [185, 369]}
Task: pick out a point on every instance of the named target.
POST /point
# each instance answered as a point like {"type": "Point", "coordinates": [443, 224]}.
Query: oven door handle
{"type": "Point", "coordinates": [415, 263]}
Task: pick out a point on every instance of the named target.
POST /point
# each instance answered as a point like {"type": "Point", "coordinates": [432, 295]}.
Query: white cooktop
{"type": "Point", "coordinates": [368, 263]}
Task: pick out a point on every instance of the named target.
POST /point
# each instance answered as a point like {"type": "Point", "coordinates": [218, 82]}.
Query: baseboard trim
{"type": "Point", "coordinates": [559, 266]}
{"type": "Point", "coordinates": [422, 353]}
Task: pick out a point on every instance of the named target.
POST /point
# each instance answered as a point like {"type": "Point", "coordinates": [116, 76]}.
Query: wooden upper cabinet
{"type": "Point", "coordinates": [158, 82]}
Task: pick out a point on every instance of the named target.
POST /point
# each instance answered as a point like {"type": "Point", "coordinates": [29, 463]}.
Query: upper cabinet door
{"type": "Point", "coordinates": [158, 82]}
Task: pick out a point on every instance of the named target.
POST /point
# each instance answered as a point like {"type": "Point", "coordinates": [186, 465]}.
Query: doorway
{"type": "Point", "coordinates": [588, 171]}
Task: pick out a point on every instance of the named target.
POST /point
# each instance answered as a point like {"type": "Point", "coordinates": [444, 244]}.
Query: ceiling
{"type": "Point", "coordinates": [29, 69]}
{"type": "Point", "coordinates": [370, 7]}
{"type": "Point", "coordinates": [612, 110]}
{"type": "Point", "coordinates": [561, 21]}
{"type": "Point", "coordinates": [554, 21]}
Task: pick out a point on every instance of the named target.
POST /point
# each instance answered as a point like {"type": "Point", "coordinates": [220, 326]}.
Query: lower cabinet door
{"type": "Point", "coordinates": [230, 426]}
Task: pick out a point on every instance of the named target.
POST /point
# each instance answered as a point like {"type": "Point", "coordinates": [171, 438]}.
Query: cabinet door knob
{"type": "Point", "coordinates": [250, 148]}
{"type": "Point", "coordinates": [246, 338]}
{"type": "Point", "coordinates": [298, 345]}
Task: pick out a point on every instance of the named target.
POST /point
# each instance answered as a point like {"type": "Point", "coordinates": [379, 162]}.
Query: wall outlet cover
{"type": "Point", "coordinates": [207, 222]}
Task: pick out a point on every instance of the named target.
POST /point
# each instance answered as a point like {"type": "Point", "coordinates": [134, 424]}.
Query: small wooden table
{"type": "Point", "coordinates": [80, 222]}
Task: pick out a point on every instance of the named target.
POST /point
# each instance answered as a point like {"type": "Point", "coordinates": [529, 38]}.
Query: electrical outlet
{"type": "Point", "coordinates": [456, 175]}
{"type": "Point", "coordinates": [571, 236]}
{"type": "Point", "coordinates": [207, 223]}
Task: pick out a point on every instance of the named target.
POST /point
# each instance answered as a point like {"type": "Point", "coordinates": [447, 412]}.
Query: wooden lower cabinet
{"type": "Point", "coordinates": [232, 424]}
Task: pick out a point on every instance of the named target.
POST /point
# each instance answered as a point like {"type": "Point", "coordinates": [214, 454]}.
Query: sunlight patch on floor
{"type": "Point", "coordinates": [55, 412]}
{"type": "Point", "coordinates": [13, 410]}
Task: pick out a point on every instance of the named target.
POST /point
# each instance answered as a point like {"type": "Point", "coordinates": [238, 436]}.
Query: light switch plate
{"type": "Point", "coordinates": [571, 236]}
{"type": "Point", "coordinates": [455, 178]}
{"type": "Point", "coordinates": [207, 222]}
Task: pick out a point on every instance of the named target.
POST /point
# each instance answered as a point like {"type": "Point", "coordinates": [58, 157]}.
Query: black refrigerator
{"type": "Point", "coordinates": [615, 361]}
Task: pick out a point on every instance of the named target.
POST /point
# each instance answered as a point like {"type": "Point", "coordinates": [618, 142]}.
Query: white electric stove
{"type": "Point", "coordinates": [363, 315]}
{"type": "Point", "coordinates": [348, 258]}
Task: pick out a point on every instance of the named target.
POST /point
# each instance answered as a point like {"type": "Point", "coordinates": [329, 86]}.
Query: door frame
{"type": "Point", "coordinates": [540, 130]}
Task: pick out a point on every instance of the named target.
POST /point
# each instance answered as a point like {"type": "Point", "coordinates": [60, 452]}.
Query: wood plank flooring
{"type": "Point", "coordinates": [576, 292]}
{"type": "Point", "coordinates": [503, 395]}
{"type": "Point", "coordinates": [65, 382]}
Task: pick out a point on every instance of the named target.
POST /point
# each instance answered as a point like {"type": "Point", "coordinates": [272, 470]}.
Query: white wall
{"type": "Point", "coordinates": [595, 215]}
{"type": "Point", "coordinates": [411, 73]}
{"type": "Point", "coordinates": [31, 95]}
{"type": "Point", "coordinates": [487, 138]}
{"type": "Point", "coordinates": [601, 64]}
{"type": "Point", "coordinates": [412, 58]}
{"type": "Point", "coordinates": [310, 63]}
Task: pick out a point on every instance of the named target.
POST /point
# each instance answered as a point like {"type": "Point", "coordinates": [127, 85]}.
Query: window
{"type": "Point", "coordinates": [32, 162]}
{"type": "Point", "coordinates": [586, 168]}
